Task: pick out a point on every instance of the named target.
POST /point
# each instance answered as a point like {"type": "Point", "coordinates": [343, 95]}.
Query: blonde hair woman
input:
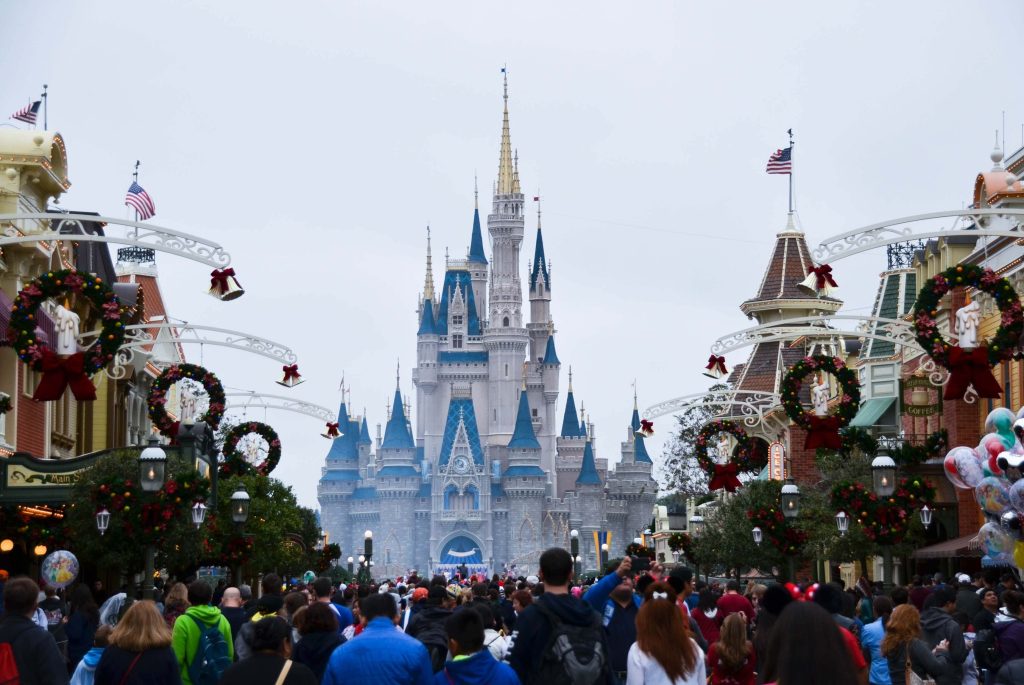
{"type": "Point", "coordinates": [175, 603]}
{"type": "Point", "coordinates": [140, 651]}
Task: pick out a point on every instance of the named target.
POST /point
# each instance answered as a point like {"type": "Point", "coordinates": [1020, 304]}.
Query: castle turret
{"type": "Point", "coordinates": [570, 445]}
{"type": "Point", "coordinates": [477, 261]}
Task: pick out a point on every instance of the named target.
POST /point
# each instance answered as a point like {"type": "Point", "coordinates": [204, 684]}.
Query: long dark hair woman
{"type": "Point", "coordinates": [731, 658]}
{"type": "Point", "coordinates": [83, 619]}
{"type": "Point", "coordinates": [806, 648]}
{"type": "Point", "coordinates": [903, 646]}
{"type": "Point", "coordinates": [664, 651]}
{"type": "Point", "coordinates": [318, 627]}
{"type": "Point", "coordinates": [270, 663]}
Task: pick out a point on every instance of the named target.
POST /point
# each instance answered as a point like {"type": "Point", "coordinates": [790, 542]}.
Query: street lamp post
{"type": "Point", "coordinates": [696, 528]}
{"type": "Point", "coordinates": [883, 478]}
{"type": "Point", "coordinates": [152, 469]}
{"type": "Point", "coordinates": [574, 550]}
{"type": "Point", "coordinates": [789, 500]}
{"type": "Point", "coordinates": [758, 535]}
{"type": "Point", "coordinates": [240, 502]}
{"type": "Point", "coordinates": [842, 523]}
{"type": "Point", "coordinates": [350, 563]}
{"type": "Point", "coordinates": [604, 558]}
{"type": "Point", "coordinates": [367, 556]}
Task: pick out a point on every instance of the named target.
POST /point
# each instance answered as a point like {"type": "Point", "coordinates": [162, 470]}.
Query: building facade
{"type": "Point", "coordinates": [490, 473]}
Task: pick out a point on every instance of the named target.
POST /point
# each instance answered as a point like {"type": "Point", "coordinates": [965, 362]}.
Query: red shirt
{"type": "Point", "coordinates": [734, 603]}
{"type": "Point", "coordinates": [853, 647]}
{"type": "Point", "coordinates": [745, 676]}
{"type": "Point", "coordinates": [708, 627]}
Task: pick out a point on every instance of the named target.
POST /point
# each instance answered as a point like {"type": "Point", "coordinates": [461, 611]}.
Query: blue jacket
{"type": "Point", "coordinates": [599, 596]}
{"type": "Point", "coordinates": [380, 655]}
{"type": "Point", "coordinates": [871, 640]}
{"type": "Point", "coordinates": [479, 669]}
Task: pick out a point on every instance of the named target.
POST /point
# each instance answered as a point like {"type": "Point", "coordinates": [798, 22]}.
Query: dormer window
{"type": "Point", "coordinates": [457, 341]}
{"type": "Point", "coordinates": [456, 319]}
{"type": "Point", "coordinates": [504, 322]}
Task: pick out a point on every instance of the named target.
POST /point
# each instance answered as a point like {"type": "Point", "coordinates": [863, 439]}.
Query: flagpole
{"type": "Point", "coordinates": [135, 177]}
{"type": "Point", "coordinates": [46, 100]}
{"type": "Point", "coordinates": [790, 170]}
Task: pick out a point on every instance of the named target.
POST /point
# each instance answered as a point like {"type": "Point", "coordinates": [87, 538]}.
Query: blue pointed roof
{"type": "Point", "coordinates": [427, 320]}
{"type": "Point", "coordinates": [570, 429]}
{"type": "Point", "coordinates": [588, 470]}
{"type": "Point", "coordinates": [396, 435]}
{"type": "Point", "coordinates": [639, 448]}
{"type": "Point", "coordinates": [345, 446]}
{"type": "Point", "coordinates": [464, 281]}
{"type": "Point", "coordinates": [634, 421]}
{"type": "Point", "coordinates": [583, 428]}
{"type": "Point", "coordinates": [476, 243]}
{"type": "Point", "coordinates": [460, 410]}
{"type": "Point", "coordinates": [364, 434]}
{"type": "Point", "coordinates": [523, 438]}
{"type": "Point", "coordinates": [540, 263]}
{"type": "Point", "coordinates": [550, 356]}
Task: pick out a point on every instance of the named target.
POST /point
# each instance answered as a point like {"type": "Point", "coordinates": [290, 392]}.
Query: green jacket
{"type": "Point", "coordinates": [185, 639]}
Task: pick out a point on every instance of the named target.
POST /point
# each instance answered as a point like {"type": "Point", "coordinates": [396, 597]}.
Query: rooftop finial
{"type": "Point", "coordinates": [398, 374]}
{"type": "Point", "coordinates": [515, 173]}
{"type": "Point", "coordinates": [476, 193]}
{"type": "Point", "coordinates": [428, 287]}
{"type": "Point", "coordinates": [524, 376]}
{"type": "Point", "coordinates": [538, 205]}
{"type": "Point", "coordinates": [570, 379]}
{"type": "Point", "coordinates": [635, 406]}
{"type": "Point", "coordinates": [341, 386]}
{"type": "Point", "coordinates": [505, 169]}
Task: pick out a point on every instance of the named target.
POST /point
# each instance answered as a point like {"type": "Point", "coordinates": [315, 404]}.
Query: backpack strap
{"type": "Point", "coordinates": [548, 614]}
{"type": "Point", "coordinates": [124, 678]}
{"type": "Point", "coordinates": [284, 672]}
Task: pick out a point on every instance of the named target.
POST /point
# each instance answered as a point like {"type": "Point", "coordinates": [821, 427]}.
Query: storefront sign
{"type": "Point", "coordinates": [915, 397]}
{"type": "Point", "coordinates": [776, 461]}
{"type": "Point", "coordinates": [19, 476]}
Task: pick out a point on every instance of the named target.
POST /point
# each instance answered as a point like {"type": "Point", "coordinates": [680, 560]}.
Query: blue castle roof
{"type": "Point", "coordinates": [460, 411]}
{"type": "Point", "coordinates": [344, 448]}
{"type": "Point", "coordinates": [396, 435]}
{"type": "Point", "coordinates": [364, 434]}
{"type": "Point", "coordinates": [398, 472]}
{"type": "Point", "coordinates": [334, 475]}
{"type": "Point", "coordinates": [427, 326]}
{"type": "Point", "coordinates": [476, 243]}
{"type": "Point", "coordinates": [639, 448]}
{"type": "Point", "coordinates": [459, 277]}
{"type": "Point", "coordinates": [570, 427]}
{"type": "Point", "coordinates": [523, 471]}
{"type": "Point", "coordinates": [364, 493]}
{"type": "Point", "coordinates": [588, 471]}
{"type": "Point", "coordinates": [550, 356]}
{"type": "Point", "coordinates": [540, 264]}
{"type": "Point", "coordinates": [583, 428]}
{"type": "Point", "coordinates": [523, 438]}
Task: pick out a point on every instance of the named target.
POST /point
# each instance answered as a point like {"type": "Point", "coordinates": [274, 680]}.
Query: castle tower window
{"type": "Point", "coordinates": [456, 319]}
{"type": "Point", "coordinates": [504, 322]}
{"type": "Point", "coordinates": [457, 341]}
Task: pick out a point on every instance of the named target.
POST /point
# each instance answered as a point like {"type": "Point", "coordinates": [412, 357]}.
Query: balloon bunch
{"type": "Point", "coordinates": [993, 470]}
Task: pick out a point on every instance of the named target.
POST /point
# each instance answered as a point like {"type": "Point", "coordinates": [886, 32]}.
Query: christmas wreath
{"type": "Point", "coordinates": [235, 464]}
{"type": "Point", "coordinates": [749, 457]}
{"type": "Point", "coordinates": [172, 374]}
{"type": "Point", "coordinates": [884, 519]}
{"type": "Point", "coordinates": [969, 366]}
{"type": "Point", "coordinates": [60, 373]}
{"type": "Point", "coordinates": [822, 431]}
{"type": "Point", "coordinates": [775, 528]}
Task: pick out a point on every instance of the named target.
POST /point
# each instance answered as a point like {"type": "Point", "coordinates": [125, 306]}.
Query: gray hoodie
{"type": "Point", "coordinates": [937, 626]}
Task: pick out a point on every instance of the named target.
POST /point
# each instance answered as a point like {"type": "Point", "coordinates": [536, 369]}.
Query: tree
{"type": "Point", "coordinates": [681, 472]}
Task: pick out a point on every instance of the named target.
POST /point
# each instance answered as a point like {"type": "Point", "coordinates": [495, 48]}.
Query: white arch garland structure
{"type": "Point", "coordinates": [258, 400]}
{"type": "Point", "coordinates": [753, 408]}
{"type": "Point", "coordinates": [1004, 222]}
{"type": "Point", "coordinates": [135, 233]}
{"type": "Point", "coordinates": [896, 331]}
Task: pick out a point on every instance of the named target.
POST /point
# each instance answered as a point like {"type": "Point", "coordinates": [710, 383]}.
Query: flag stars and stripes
{"type": "Point", "coordinates": [781, 162]}
{"type": "Point", "coordinates": [140, 200]}
{"type": "Point", "coordinates": [27, 113]}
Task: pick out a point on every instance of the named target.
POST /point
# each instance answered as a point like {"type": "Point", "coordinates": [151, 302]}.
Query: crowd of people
{"type": "Point", "coordinates": [650, 627]}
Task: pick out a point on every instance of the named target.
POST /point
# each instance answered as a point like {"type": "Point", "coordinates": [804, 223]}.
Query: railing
{"type": "Point", "coordinates": [472, 515]}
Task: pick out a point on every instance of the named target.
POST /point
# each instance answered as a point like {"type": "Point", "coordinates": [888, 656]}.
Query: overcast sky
{"type": "Point", "coordinates": [316, 140]}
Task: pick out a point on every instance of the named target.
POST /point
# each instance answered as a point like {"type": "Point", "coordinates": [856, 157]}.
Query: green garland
{"type": "Point", "coordinates": [172, 374]}
{"type": "Point", "coordinates": [749, 458]}
{"type": "Point", "coordinates": [234, 462]}
{"type": "Point", "coordinates": [844, 375]}
{"type": "Point", "coordinates": [926, 308]}
{"type": "Point", "coordinates": [145, 514]}
{"type": "Point", "coordinates": [884, 519]}
{"type": "Point", "coordinates": [54, 284]}
{"type": "Point", "coordinates": [776, 529]}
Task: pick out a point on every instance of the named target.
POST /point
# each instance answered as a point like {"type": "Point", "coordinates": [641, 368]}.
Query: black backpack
{"type": "Point", "coordinates": [986, 650]}
{"type": "Point", "coordinates": [435, 639]}
{"type": "Point", "coordinates": [574, 655]}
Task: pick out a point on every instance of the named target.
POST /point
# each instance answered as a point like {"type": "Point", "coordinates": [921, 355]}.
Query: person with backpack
{"type": "Point", "coordinates": [381, 654]}
{"type": "Point", "coordinates": [1006, 641]}
{"type": "Point", "coordinates": [139, 650]}
{"type": "Point", "coordinates": [559, 639]}
{"type": "Point", "coordinates": [472, 663]}
{"type": "Point", "coordinates": [28, 653]}
{"type": "Point", "coordinates": [664, 653]}
{"type": "Point", "coordinates": [427, 625]}
{"type": "Point", "coordinates": [938, 626]}
{"type": "Point", "coordinates": [202, 639]}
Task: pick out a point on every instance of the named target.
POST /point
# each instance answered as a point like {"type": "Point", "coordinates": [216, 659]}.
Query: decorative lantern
{"type": "Point", "coordinates": [883, 475]}
{"type": "Point", "coordinates": [926, 516]}
{"type": "Point", "coordinates": [758, 535]}
{"type": "Point", "coordinates": [842, 523]}
{"type": "Point", "coordinates": [368, 543]}
{"type": "Point", "coordinates": [574, 542]}
{"type": "Point", "coordinates": [198, 514]}
{"type": "Point", "coordinates": [152, 466]}
{"type": "Point", "coordinates": [697, 525]}
{"type": "Point", "coordinates": [6, 545]}
{"type": "Point", "coordinates": [40, 550]}
{"type": "Point", "coordinates": [102, 520]}
{"type": "Point", "coordinates": [240, 505]}
{"type": "Point", "coordinates": [790, 499]}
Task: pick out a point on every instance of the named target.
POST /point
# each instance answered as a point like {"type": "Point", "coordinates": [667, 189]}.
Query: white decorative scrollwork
{"type": "Point", "coordinates": [135, 233]}
{"type": "Point", "coordinates": [753, 408]}
{"type": "Point", "coordinates": [256, 400]}
{"type": "Point", "coordinates": [878, 328]}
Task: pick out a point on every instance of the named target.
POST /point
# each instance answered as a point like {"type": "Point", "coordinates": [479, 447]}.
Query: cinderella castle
{"type": "Point", "coordinates": [487, 476]}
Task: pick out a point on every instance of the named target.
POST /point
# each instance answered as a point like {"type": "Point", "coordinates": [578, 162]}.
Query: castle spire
{"type": "Point", "coordinates": [588, 469]}
{"type": "Point", "coordinates": [505, 170]}
{"type": "Point", "coordinates": [540, 262]}
{"type": "Point", "coordinates": [476, 241]}
{"type": "Point", "coordinates": [428, 286]}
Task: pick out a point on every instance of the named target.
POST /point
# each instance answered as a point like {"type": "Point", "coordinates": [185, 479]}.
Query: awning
{"type": "Point", "coordinates": [870, 411]}
{"type": "Point", "coordinates": [966, 546]}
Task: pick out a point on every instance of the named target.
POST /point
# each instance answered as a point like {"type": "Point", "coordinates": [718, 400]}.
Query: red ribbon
{"type": "Point", "coordinates": [724, 476]}
{"type": "Point", "coordinates": [332, 430]}
{"type": "Point", "coordinates": [60, 373]}
{"type": "Point", "coordinates": [823, 432]}
{"type": "Point", "coordinates": [716, 361]}
{"type": "Point", "coordinates": [824, 274]}
{"type": "Point", "coordinates": [219, 278]}
{"type": "Point", "coordinates": [290, 372]}
{"type": "Point", "coordinates": [970, 367]}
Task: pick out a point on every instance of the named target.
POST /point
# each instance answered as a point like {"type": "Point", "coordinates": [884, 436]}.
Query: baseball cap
{"type": "Point", "coordinates": [532, 580]}
{"type": "Point", "coordinates": [963, 579]}
{"type": "Point", "coordinates": [419, 594]}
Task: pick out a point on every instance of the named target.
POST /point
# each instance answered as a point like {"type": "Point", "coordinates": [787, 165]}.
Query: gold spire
{"type": "Point", "coordinates": [506, 181]}
{"type": "Point", "coordinates": [515, 173]}
{"type": "Point", "coordinates": [428, 286]}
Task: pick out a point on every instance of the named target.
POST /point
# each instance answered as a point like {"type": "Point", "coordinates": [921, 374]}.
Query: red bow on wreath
{"type": "Point", "coordinates": [824, 275]}
{"type": "Point", "coordinates": [60, 373]}
{"type": "Point", "coordinates": [724, 476]}
{"type": "Point", "coordinates": [970, 367]}
{"type": "Point", "coordinates": [219, 278]}
{"type": "Point", "coordinates": [290, 372]}
{"type": "Point", "coordinates": [823, 431]}
{"type": "Point", "coordinates": [332, 430]}
{"type": "Point", "coordinates": [716, 364]}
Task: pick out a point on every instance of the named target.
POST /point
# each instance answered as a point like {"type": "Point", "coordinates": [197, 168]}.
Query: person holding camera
{"type": "Point", "coordinates": [613, 597]}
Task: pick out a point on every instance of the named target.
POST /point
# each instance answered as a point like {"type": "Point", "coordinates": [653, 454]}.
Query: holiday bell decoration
{"type": "Point", "coordinates": [715, 367]}
{"type": "Point", "coordinates": [291, 376]}
{"type": "Point", "coordinates": [332, 432]}
{"type": "Point", "coordinates": [819, 281]}
{"type": "Point", "coordinates": [646, 428]}
{"type": "Point", "coordinates": [224, 286]}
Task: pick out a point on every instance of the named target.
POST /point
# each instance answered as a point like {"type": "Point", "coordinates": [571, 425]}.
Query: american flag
{"type": "Point", "coordinates": [27, 113]}
{"type": "Point", "coordinates": [141, 201]}
{"type": "Point", "coordinates": [781, 162]}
